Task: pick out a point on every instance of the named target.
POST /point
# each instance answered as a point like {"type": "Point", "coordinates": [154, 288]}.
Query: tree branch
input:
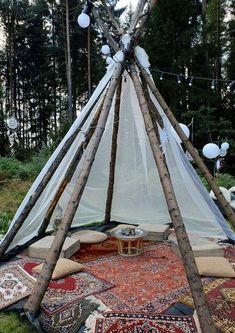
{"type": "Point", "coordinates": [105, 30]}
{"type": "Point", "coordinates": [137, 15]}
{"type": "Point", "coordinates": [111, 18]}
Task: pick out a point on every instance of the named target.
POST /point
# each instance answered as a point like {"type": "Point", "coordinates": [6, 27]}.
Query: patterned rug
{"type": "Point", "coordinates": [220, 294]}
{"type": "Point", "coordinates": [15, 284]}
{"type": "Point", "coordinates": [144, 323]}
{"type": "Point", "coordinates": [153, 283]}
{"type": "Point", "coordinates": [91, 252]}
{"type": "Point", "coordinates": [69, 319]}
{"type": "Point", "coordinates": [73, 288]}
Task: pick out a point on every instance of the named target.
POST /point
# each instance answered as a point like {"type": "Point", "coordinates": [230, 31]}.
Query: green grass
{"type": "Point", "coordinates": [11, 322]}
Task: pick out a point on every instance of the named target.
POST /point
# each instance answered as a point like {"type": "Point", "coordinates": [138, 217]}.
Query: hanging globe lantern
{"type": "Point", "coordinates": [83, 20]}
{"type": "Point", "coordinates": [185, 129]}
{"type": "Point", "coordinates": [222, 152]}
{"type": "Point", "coordinates": [105, 49]}
{"type": "Point", "coordinates": [12, 123]}
{"type": "Point", "coordinates": [225, 145]}
{"type": "Point", "coordinates": [109, 60]}
{"type": "Point", "coordinates": [210, 150]}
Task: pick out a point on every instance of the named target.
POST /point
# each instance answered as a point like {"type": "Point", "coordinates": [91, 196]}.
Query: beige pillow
{"type": "Point", "coordinates": [63, 267]}
{"type": "Point", "coordinates": [214, 266]}
{"type": "Point", "coordinates": [90, 236]}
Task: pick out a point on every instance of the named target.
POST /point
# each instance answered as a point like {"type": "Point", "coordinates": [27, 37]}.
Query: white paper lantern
{"type": "Point", "coordinates": [12, 123]}
{"type": "Point", "coordinates": [222, 152]}
{"type": "Point", "coordinates": [83, 20]}
{"type": "Point", "coordinates": [185, 129]}
{"type": "Point", "coordinates": [225, 146]}
{"type": "Point", "coordinates": [119, 56]}
{"type": "Point", "coordinates": [210, 150]}
{"type": "Point", "coordinates": [109, 60]}
{"type": "Point", "coordinates": [105, 49]}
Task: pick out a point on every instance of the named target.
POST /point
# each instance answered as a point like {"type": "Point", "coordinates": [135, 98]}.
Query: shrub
{"type": "Point", "coordinates": [222, 179]}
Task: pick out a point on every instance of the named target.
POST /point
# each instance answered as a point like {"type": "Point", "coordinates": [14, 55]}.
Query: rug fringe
{"type": "Point", "coordinates": [98, 313]}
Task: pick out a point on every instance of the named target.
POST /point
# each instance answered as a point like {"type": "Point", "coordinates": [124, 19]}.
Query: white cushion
{"type": "Point", "coordinates": [90, 236]}
{"type": "Point", "coordinates": [225, 192]}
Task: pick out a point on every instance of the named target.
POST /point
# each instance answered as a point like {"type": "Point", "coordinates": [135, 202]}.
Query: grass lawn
{"type": "Point", "coordinates": [10, 322]}
{"type": "Point", "coordinates": [11, 195]}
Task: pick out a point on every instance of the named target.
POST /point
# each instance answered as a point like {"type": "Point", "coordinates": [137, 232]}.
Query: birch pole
{"type": "Point", "coordinates": [34, 301]}
{"type": "Point", "coordinates": [69, 173]}
{"type": "Point", "coordinates": [113, 154]}
{"type": "Point", "coordinates": [192, 151]}
{"type": "Point", "coordinates": [196, 287]}
{"type": "Point", "coordinates": [137, 14]}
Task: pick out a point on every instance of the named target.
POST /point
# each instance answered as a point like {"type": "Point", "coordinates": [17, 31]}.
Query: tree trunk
{"type": "Point", "coordinates": [89, 60]}
{"type": "Point", "coordinates": [113, 154]}
{"type": "Point", "coordinates": [68, 61]}
{"type": "Point", "coordinates": [191, 270]}
{"type": "Point", "coordinates": [193, 152]}
{"type": "Point", "coordinates": [40, 287]}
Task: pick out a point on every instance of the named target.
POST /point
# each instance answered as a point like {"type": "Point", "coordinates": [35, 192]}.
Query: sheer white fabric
{"type": "Point", "coordinates": [138, 196]}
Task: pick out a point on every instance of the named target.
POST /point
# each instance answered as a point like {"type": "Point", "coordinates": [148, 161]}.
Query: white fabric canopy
{"type": "Point", "coordinates": [138, 196]}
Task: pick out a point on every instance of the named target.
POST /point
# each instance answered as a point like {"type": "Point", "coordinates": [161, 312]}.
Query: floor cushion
{"type": "Point", "coordinates": [62, 268]}
{"type": "Point", "coordinates": [89, 236]}
{"type": "Point", "coordinates": [215, 266]}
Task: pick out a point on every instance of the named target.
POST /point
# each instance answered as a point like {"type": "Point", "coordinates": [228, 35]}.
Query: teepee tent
{"type": "Point", "coordinates": [122, 161]}
{"type": "Point", "coordinates": [137, 192]}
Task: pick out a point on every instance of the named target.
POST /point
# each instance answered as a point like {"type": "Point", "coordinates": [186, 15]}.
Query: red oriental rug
{"type": "Point", "coordinates": [72, 287]}
{"type": "Point", "coordinates": [91, 252]}
{"type": "Point", "coordinates": [220, 294]}
{"type": "Point", "coordinates": [144, 323]}
{"type": "Point", "coordinates": [149, 282]}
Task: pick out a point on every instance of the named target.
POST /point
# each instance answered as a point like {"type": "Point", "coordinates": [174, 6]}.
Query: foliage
{"type": "Point", "coordinates": [12, 322]}
{"type": "Point", "coordinates": [222, 179]}
{"type": "Point", "coordinates": [11, 168]}
{"type": "Point", "coordinates": [4, 222]}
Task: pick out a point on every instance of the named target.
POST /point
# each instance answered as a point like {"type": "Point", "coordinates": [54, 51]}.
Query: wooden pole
{"type": "Point", "coordinates": [191, 270]}
{"type": "Point", "coordinates": [38, 191]}
{"type": "Point", "coordinates": [142, 23]}
{"type": "Point", "coordinates": [113, 153]}
{"type": "Point", "coordinates": [69, 173]}
{"type": "Point", "coordinates": [137, 14]}
{"type": "Point", "coordinates": [34, 301]}
{"type": "Point", "coordinates": [192, 151]}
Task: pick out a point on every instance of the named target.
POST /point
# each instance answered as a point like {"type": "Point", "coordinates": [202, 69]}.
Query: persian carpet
{"type": "Point", "coordinates": [149, 282]}
{"type": "Point", "coordinates": [69, 319]}
{"type": "Point", "coordinates": [139, 323]}
{"type": "Point", "coordinates": [15, 284]}
{"type": "Point", "coordinates": [220, 294]}
{"type": "Point", "coordinates": [73, 287]}
{"type": "Point", "coordinates": [90, 252]}
{"type": "Point", "coordinates": [83, 284]}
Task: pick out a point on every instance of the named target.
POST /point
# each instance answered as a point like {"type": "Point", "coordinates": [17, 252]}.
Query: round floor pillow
{"type": "Point", "coordinates": [90, 236]}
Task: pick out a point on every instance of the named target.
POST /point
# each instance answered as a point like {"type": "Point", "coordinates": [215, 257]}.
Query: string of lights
{"type": "Point", "coordinates": [191, 78]}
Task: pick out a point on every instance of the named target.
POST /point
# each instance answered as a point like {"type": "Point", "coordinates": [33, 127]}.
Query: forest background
{"type": "Point", "coordinates": [191, 48]}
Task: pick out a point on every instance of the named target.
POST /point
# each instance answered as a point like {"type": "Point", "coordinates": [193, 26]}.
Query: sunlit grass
{"type": "Point", "coordinates": [11, 322]}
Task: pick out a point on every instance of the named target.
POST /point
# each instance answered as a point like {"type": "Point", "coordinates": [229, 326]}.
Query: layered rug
{"type": "Point", "coordinates": [139, 323]}
{"type": "Point", "coordinates": [69, 319]}
{"type": "Point", "coordinates": [15, 284]}
{"type": "Point", "coordinates": [73, 287]}
{"type": "Point", "coordinates": [152, 282]}
{"type": "Point", "coordinates": [220, 294]}
{"type": "Point", "coordinates": [91, 252]}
